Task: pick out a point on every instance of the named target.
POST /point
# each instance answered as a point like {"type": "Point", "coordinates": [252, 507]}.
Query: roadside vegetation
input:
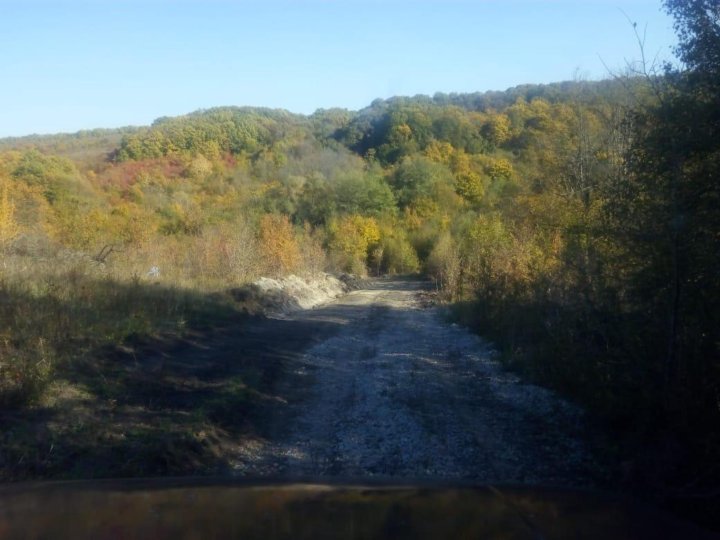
{"type": "Point", "coordinates": [574, 224]}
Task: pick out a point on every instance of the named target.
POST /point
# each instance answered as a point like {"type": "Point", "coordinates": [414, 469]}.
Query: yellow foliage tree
{"type": "Point", "coordinates": [470, 186]}
{"type": "Point", "coordinates": [487, 246]}
{"type": "Point", "coordinates": [130, 226]}
{"type": "Point", "coordinates": [9, 228]}
{"type": "Point", "coordinates": [460, 162]}
{"type": "Point", "coordinates": [352, 237]}
{"type": "Point", "coordinates": [85, 229]}
{"type": "Point", "coordinates": [440, 152]}
{"type": "Point", "coordinates": [444, 265]}
{"type": "Point", "coordinates": [500, 168]}
{"type": "Point", "coordinates": [199, 168]}
{"type": "Point", "coordinates": [278, 244]}
{"type": "Point", "coordinates": [497, 129]}
{"type": "Point", "coordinates": [401, 133]}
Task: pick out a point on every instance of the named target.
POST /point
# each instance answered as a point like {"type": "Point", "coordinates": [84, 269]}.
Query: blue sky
{"type": "Point", "coordinates": [70, 65]}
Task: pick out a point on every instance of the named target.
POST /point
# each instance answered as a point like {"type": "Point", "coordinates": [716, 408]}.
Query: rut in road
{"type": "Point", "coordinates": [400, 393]}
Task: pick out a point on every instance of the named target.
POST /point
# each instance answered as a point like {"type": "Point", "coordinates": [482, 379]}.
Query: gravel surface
{"type": "Point", "coordinates": [399, 393]}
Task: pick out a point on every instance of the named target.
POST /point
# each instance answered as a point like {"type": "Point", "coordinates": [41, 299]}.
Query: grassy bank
{"type": "Point", "coordinates": [87, 387]}
{"type": "Point", "coordinates": [55, 314]}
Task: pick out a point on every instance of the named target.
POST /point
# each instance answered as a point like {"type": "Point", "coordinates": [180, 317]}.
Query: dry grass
{"type": "Point", "coordinates": [58, 305]}
{"type": "Point", "coordinates": [66, 324]}
{"type": "Point", "coordinates": [58, 310]}
{"type": "Point", "coordinates": [83, 340]}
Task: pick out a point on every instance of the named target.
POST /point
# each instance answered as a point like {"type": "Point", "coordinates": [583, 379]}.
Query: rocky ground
{"type": "Point", "coordinates": [398, 392]}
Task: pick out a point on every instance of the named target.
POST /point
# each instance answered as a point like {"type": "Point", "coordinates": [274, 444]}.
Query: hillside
{"type": "Point", "coordinates": [574, 225]}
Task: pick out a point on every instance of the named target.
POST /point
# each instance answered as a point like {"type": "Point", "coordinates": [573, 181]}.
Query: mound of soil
{"type": "Point", "coordinates": [268, 296]}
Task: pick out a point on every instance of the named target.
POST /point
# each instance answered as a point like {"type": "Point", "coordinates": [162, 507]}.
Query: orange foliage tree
{"type": "Point", "coordinates": [278, 245]}
{"type": "Point", "coordinates": [9, 228]}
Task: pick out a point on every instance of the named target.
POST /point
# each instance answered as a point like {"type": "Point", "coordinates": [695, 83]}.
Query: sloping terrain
{"type": "Point", "coordinates": [374, 384]}
{"type": "Point", "coordinates": [397, 392]}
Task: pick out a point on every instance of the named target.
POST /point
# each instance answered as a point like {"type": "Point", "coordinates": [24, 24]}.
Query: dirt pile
{"type": "Point", "coordinates": [268, 296]}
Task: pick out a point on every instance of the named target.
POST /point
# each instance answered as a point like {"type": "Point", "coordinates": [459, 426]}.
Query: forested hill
{"type": "Point", "coordinates": [237, 129]}
{"type": "Point", "coordinates": [93, 145]}
{"type": "Point", "coordinates": [574, 224]}
{"type": "Point", "coordinates": [212, 132]}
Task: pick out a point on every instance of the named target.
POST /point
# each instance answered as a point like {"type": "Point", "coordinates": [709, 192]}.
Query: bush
{"type": "Point", "coordinates": [443, 265]}
{"type": "Point", "coordinates": [398, 256]}
{"type": "Point", "coordinates": [278, 245]}
{"type": "Point", "coordinates": [24, 372]}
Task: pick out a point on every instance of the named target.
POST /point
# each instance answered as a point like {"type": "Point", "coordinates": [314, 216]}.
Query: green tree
{"type": "Point", "coordinates": [418, 177]}
{"type": "Point", "coordinates": [666, 218]}
{"type": "Point", "coordinates": [362, 193]}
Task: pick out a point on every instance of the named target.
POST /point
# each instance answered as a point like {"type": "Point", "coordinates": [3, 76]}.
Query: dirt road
{"type": "Point", "coordinates": [397, 392]}
{"type": "Point", "coordinates": [375, 384]}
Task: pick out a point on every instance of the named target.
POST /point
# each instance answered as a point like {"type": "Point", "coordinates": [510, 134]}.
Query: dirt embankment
{"type": "Point", "coordinates": [280, 296]}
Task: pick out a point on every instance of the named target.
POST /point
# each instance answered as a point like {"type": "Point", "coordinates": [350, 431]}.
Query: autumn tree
{"type": "Point", "coordinates": [666, 212]}
{"type": "Point", "coordinates": [351, 240]}
{"type": "Point", "coordinates": [9, 228]}
{"type": "Point", "coordinates": [278, 244]}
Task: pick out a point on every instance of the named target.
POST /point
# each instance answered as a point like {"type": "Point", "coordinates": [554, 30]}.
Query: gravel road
{"type": "Point", "coordinates": [397, 392]}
